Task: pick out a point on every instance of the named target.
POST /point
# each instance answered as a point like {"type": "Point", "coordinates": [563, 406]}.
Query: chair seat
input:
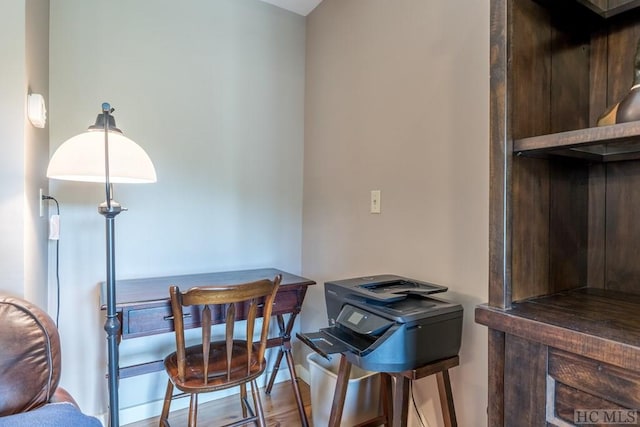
{"type": "Point", "coordinates": [217, 376]}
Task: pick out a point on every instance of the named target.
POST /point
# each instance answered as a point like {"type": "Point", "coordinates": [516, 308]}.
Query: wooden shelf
{"type": "Point", "coordinates": [601, 144]}
{"type": "Point", "coordinates": [597, 323]}
{"type": "Point", "coordinates": [608, 9]}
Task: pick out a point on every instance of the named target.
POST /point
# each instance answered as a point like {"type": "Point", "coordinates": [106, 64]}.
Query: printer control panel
{"type": "Point", "coordinates": [361, 321]}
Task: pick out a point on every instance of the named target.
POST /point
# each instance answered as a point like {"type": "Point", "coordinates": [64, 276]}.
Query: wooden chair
{"type": "Point", "coordinates": [234, 361]}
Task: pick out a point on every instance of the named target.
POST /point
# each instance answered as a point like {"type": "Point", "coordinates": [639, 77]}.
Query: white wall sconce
{"type": "Point", "coordinates": [36, 110]}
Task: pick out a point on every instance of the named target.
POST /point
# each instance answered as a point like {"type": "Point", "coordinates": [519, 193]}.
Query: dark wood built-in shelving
{"type": "Point", "coordinates": [596, 323]}
{"type": "Point", "coordinates": [602, 144]}
{"type": "Point", "coordinates": [609, 8]}
{"type": "Point", "coordinates": [564, 236]}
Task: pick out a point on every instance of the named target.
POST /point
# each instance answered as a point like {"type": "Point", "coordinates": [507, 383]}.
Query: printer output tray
{"type": "Point", "coordinates": [328, 341]}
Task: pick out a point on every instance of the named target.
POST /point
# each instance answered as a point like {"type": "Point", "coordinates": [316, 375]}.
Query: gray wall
{"type": "Point", "coordinates": [214, 92]}
{"type": "Point", "coordinates": [397, 101]}
{"type": "Point", "coordinates": [36, 152]}
{"type": "Point", "coordinates": [23, 149]}
{"type": "Point", "coordinates": [12, 125]}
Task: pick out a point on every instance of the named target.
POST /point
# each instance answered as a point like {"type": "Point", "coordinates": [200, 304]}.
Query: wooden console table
{"type": "Point", "coordinates": [144, 309]}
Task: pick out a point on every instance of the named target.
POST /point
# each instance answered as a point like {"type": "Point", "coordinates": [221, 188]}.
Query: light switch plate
{"type": "Point", "coordinates": [375, 201]}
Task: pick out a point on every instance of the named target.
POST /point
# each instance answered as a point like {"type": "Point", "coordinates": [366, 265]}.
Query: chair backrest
{"type": "Point", "coordinates": [225, 303]}
{"type": "Point", "coordinates": [29, 356]}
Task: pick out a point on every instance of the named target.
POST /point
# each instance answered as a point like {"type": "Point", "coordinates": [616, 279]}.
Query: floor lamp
{"type": "Point", "coordinates": [103, 154]}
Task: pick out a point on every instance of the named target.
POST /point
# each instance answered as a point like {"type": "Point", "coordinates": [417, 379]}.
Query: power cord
{"type": "Point", "coordinates": [415, 406]}
{"type": "Point", "coordinates": [57, 261]}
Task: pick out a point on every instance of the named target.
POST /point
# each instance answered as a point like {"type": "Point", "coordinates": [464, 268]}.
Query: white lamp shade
{"type": "Point", "coordinates": [81, 158]}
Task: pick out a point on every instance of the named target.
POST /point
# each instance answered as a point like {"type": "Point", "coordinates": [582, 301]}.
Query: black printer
{"type": "Point", "coordinates": [387, 323]}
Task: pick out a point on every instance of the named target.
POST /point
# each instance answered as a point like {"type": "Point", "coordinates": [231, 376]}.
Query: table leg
{"type": "Point", "coordinates": [276, 365]}
{"type": "Point", "coordinates": [296, 388]}
{"type": "Point", "coordinates": [344, 372]}
{"type": "Point", "coordinates": [285, 350]}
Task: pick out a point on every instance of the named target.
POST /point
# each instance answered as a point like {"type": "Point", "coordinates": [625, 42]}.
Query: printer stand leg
{"type": "Point", "coordinates": [446, 399]}
{"type": "Point", "coordinates": [400, 400]}
{"type": "Point", "coordinates": [402, 381]}
{"type": "Point", "coordinates": [344, 372]}
{"type": "Point", "coordinates": [386, 392]}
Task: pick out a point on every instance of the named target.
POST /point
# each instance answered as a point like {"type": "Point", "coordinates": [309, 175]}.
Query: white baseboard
{"type": "Point", "coordinates": [303, 373]}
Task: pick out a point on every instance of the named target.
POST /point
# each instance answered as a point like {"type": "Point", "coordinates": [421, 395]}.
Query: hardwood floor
{"type": "Point", "coordinates": [279, 407]}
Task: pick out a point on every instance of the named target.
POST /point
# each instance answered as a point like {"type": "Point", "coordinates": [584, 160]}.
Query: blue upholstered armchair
{"type": "Point", "coordinates": [30, 370]}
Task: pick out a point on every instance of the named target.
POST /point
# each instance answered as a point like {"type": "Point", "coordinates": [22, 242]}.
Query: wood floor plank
{"type": "Point", "coordinates": [279, 407]}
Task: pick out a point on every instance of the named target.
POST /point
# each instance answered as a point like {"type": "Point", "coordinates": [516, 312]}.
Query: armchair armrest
{"type": "Point", "coordinates": [61, 396]}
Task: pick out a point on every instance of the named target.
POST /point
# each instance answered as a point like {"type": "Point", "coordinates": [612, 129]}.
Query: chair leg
{"type": "Point", "coordinates": [164, 416]}
{"type": "Point", "coordinates": [243, 399]}
{"type": "Point", "coordinates": [257, 403]}
{"type": "Point", "coordinates": [193, 410]}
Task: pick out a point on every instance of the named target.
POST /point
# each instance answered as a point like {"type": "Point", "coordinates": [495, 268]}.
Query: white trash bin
{"type": "Point", "coordinates": [363, 392]}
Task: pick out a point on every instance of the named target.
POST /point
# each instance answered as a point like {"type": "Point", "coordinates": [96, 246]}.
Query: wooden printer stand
{"type": "Point", "coordinates": [398, 388]}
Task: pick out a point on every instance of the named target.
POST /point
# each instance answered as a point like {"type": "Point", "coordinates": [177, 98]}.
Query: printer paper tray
{"type": "Point", "coordinates": [323, 343]}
